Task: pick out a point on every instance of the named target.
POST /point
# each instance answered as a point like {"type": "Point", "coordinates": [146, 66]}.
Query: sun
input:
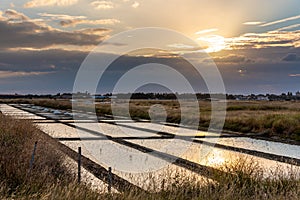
{"type": "Point", "coordinates": [213, 43]}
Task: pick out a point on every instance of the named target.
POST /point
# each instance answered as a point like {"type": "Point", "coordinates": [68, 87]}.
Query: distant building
{"type": "Point", "coordinates": [99, 96]}
{"type": "Point", "coordinates": [262, 98]}
{"type": "Point", "coordinates": [241, 98]}
{"type": "Point", "coordinates": [66, 96]}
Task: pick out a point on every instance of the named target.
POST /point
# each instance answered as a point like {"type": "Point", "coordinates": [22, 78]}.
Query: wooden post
{"type": "Point", "coordinates": [32, 157]}
{"type": "Point", "coordinates": [109, 179]}
{"type": "Point", "coordinates": [79, 164]}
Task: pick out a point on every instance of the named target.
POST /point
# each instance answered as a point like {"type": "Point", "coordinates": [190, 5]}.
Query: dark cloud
{"type": "Point", "coordinates": [291, 57]}
{"type": "Point", "coordinates": [45, 60]}
{"type": "Point", "coordinates": [28, 34]}
{"type": "Point", "coordinates": [263, 55]}
{"type": "Point", "coordinates": [60, 66]}
{"type": "Point", "coordinates": [268, 74]}
{"type": "Point", "coordinates": [55, 70]}
{"type": "Point", "coordinates": [275, 42]}
{"type": "Point", "coordinates": [95, 31]}
{"type": "Point", "coordinates": [17, 30]}
{"type": "Point", "coordinates": [266, 40]}
{"type": "Point", "coordinates": [230, 59]}
{"type": "Point", "coordinates": [69, 22]}
{"type": "Point", "coordinates": [45, 71]}
{"type": "Point", "coordinates": [260, 77]}
{"type": "Point", "coordinates": [14, 15]}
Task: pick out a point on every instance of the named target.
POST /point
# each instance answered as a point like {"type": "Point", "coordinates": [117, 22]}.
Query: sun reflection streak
{"type": "Point", "coordinates": [216, 158]}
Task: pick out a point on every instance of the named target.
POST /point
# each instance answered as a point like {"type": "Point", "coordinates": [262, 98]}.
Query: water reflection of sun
{"type": "Point", "coordinates": [216, 157]}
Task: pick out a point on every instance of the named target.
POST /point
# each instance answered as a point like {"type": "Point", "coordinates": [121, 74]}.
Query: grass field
{"type": "Point", "coordinates": [50, 179]}
{"type": "Point", "coordinates": [277, 119]}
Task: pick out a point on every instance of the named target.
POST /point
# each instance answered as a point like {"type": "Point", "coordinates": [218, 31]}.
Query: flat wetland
{"type": "Point", "coordinates": [277, 120]}
{"type": "Point", "coordinates": [244, 178]}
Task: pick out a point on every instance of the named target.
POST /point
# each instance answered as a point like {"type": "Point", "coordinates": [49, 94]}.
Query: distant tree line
{"type": "Point", "coordinates": [160, 96]}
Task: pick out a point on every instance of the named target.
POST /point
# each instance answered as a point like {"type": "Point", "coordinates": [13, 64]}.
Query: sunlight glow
{"type": "Point", "coordinates": [253, 23]}
{"type": "Point", "coordinates": [216, 158]}
{"type": "Point", "coordinates": [206, 31]}
{"type": "Point", "coordinates": [214, 43]}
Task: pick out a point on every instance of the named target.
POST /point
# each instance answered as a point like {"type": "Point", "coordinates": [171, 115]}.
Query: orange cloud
{"type": "Point", "coordinates": [9, 74]}
{"type": "Point", "coordinates": [42, 3]}
{"type": "Point", "coordinates": [14, 15]}
{"type": "Point", "coordinates": [135, 4]}
{"type": "Point", "coordinates": [103, 5]}
{"type": "Point", "coordinates": [61, 16]}
{"type": "Point", "coordinates": [71, 20]}
{"type": "Point", "coordinates": [264, 40]}
{"type": "Point", "coordinates": [75, 22]}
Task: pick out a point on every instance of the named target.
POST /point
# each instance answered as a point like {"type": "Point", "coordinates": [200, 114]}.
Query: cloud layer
{"type": "Point", "coordinates": [19, 30]}
{"type": "Point", "coordinates": [291, 57]}
{"type": "Point", "coordinates": [103, 5]}
{"type": "Point", "coordinates": [12, 74]}
{"type": "Point", "coordinates": [43, 42]}
{"type": "Point", "coordinates": [71, 20]}
{"type": "Point", "coordinates": [264, 40]}
{"type": "Point", "coordinates": [43, 3]}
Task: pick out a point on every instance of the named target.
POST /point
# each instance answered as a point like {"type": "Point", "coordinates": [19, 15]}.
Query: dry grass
{"type": "Point", "coordinates": [274, 118]}
{"type": "Point", "coordinates": [50, 179]}
{"type": "Point", "coordinates": [17, 139]}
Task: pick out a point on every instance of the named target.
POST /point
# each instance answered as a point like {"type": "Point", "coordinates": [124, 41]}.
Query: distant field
{"type": "Point", "coordinates": [273, 118]}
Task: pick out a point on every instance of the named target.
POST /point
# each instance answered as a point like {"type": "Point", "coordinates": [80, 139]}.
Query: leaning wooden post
{"type": "Point", "coordinates": [32, 157]}
{"type": "Point", "coordinates": [109, 179]}
{"type": "Point", "coordinates": [79, 164]}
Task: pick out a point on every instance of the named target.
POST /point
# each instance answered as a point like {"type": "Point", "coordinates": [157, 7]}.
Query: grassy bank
{"type": "Point", "coordinates": [50, 179]}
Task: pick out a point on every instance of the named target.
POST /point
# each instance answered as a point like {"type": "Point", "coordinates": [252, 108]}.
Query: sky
{"type": "Point", "coordinates": [255, 44]}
